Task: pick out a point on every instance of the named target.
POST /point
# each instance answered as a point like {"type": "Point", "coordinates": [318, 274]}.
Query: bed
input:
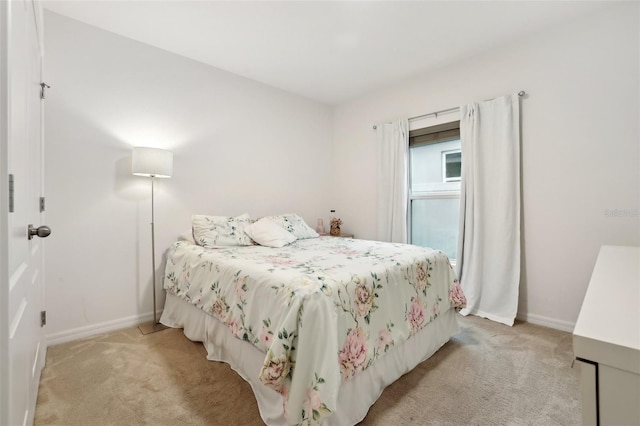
{"type": "Point", "coordinates": [318, 327]}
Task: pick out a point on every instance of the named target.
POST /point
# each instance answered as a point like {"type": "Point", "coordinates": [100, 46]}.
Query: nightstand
{"type": "Point", "coordinates": [342, 235]}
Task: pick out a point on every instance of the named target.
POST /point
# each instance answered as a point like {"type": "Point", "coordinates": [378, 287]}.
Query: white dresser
{"type": "Point", "coordinates": [606, 340]}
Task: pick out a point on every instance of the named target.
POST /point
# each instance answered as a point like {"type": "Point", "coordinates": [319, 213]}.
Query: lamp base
{"type": "Point", "coordinates": [151, 327]}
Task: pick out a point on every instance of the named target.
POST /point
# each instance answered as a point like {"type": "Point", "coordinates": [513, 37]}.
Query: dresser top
{"type": "Point", "coordinates": [609, 319]}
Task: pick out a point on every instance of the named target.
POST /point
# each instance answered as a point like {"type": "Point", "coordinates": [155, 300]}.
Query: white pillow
{"type": "Point", "coordinates": [267, 233]}
{"type": "Point", "coordinates": [295, 224]}
{"type": "Point", "coordinates": [220, 231]}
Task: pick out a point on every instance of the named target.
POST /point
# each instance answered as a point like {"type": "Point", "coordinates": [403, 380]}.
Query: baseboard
{"type": "Point", "coordinates": [547, 322]}
{"type": "Point", "coordinates": [94, 329]}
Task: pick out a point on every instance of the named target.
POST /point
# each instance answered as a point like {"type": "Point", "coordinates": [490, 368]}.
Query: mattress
{"type": "Point", "coordinates": [316, 315]}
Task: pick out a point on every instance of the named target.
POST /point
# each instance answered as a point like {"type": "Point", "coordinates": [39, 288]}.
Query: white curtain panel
{"type": "Point", "coordinates": [393, 150]}
{"type": "Point", "coordinates": [488, 263]}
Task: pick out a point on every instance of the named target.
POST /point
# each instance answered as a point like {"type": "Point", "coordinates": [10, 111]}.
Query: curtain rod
{"type": "Point", "coordinates": [443, 111]}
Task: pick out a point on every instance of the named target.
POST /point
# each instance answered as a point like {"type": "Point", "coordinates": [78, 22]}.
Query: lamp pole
{"type": "Point", "coordinates": [155, 325]}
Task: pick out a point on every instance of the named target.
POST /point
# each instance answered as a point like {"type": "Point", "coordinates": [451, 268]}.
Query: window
{"type": "Point", "coordinates": [451, 165]}
{"type": "Point", "coordinates": [435, 161]}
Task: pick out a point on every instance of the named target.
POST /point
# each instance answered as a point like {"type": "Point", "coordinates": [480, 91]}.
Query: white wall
{"type": "Point", "coordinates": [580, 147]}
{"type": "Point", "coordinates": [239, 146]}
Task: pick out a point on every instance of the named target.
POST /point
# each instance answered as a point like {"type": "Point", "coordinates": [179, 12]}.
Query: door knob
{"type": "Point", "coordinates": [41, 231]}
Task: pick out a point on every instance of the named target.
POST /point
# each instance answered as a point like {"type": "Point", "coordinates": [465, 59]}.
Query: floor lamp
{"type": "Point", "coordinates": [153, 163]}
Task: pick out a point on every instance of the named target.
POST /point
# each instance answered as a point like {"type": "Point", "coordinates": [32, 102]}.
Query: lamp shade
{"type": "Point", "coordinates": [152, 162]}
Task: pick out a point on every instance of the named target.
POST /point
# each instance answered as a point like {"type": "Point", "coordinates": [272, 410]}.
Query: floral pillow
{"type": "Point", "coordinates": [267, 233]}
{"type": "Point", "coordinates": [294, 224]}
{"type": "Point", "coordinates": [220, 231]}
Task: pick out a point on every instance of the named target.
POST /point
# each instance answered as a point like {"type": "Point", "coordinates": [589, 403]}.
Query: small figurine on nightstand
{"type": "Point", "coordinates": [335, 226]}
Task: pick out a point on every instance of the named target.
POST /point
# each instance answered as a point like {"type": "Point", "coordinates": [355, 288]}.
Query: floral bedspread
{"type": "Point", "coordinates": [322, 309]}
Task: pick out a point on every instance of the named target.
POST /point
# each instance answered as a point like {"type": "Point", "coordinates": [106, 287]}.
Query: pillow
{"type": "Point", "coordinates": [294, 224]}
{"type": "Point", "coordinates": [267, 233]}
{"type": "Point", "coordinates": [221, 231]}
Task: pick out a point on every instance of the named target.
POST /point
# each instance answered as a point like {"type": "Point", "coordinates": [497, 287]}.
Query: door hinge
{"type": "Point", "coordinates": [43, 318]}
{"type": "Point", "coordinates": [11, 190]}
{"type": "Point", "coordinates": [41, 204]}
{"type": "Point", "coordinates": [43, 85]}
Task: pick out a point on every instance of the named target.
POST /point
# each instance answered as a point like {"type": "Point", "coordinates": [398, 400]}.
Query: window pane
{"type": "Point", "coordinates": [427, 167]}
{"type": "Point", "coordinates": [434, 223]}
{"type": "Point", "coordinates": [453, 165]}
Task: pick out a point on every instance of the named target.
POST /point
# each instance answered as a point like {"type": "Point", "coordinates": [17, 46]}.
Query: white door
{"type": "Point", "coordinates": [23, 345]}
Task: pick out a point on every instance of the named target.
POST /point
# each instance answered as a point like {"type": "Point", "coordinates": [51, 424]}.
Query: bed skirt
{"type": "Point", "coordinates": [356, 395]}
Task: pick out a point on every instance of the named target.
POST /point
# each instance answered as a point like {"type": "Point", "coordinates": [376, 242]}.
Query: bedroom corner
{"type": "Point", "coordinates": [233, 140]}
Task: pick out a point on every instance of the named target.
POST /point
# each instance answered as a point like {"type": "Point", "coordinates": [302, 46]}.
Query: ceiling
{"type": "Point", "coordinates": [330, 51]}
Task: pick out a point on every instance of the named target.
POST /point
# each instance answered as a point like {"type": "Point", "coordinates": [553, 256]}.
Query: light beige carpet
{"type": "Point", "coordinates": [488, 374]}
